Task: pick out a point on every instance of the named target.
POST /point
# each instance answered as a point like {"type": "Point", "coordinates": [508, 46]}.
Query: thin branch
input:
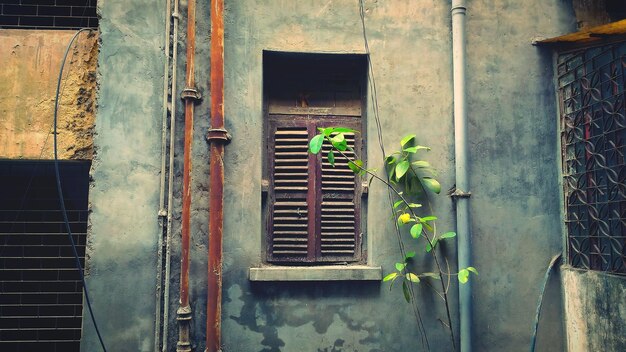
{"type": "Point", "coordinates": [425, 233]}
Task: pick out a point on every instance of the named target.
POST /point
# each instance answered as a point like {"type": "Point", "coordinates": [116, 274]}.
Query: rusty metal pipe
{"type": "Point", "coordinates": [191, 96]}
{"type": "Point", "coordinates": [217, 137]}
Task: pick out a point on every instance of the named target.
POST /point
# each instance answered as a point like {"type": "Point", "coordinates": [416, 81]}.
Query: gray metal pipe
{"type": "Point", "coordinates": [162, 212]}
{"type": "Point", "coordinates": [463, 227]}
{"type": "Point", "coordinates": [170, 182]}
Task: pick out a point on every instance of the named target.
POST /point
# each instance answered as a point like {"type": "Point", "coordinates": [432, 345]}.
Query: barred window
{"type": "Point", "coordinates": [313, 209]}
{"type": "Point", "coordinates": [593, 133]}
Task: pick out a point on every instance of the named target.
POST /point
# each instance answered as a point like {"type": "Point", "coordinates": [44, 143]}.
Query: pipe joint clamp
{"type": "Point", "coordinates": [218, 134]}
{"type": "Point", "coordinates": [460, 194]}
{"type": "Point", "coordinates": [191, 93]}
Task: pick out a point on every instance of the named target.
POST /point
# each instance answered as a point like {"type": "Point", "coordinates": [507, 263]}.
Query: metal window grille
{"type": "Point", "coordinates": [593, 135]}
{"type": "Point", "coordinates": [40, 288]}
{"type": "Point", "coordinates": [48, 14]}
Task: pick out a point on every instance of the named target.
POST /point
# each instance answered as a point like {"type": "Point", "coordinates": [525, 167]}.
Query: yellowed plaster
{"type": "Point", "coordinates": [28, 79]}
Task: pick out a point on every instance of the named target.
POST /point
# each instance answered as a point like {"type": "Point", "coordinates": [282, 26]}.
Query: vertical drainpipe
{"type": "Point", "coordinates": [462, 194]}
{"type": "Point", "coordinates": [170, 180]}
{"type": "Point", "coordinates": [162, 210]}
{"type": "Point", "coordinates": [191, 96]}
{"type": "Point", "coordinates": [217, 137]}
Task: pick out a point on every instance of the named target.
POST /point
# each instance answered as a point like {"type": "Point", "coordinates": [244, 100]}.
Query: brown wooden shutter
{"type": "Point", "coordinates": [289, 188]}
{"type": "Point", "coordinates": [314, 207]}
{"type": "Point", "coordinates": [339, 206]}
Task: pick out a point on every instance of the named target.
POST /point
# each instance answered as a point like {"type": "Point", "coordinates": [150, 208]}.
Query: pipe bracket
{"type": "Point", "coordinates": [191, 93]}
{"type": "Point", "coordinates": [217, 135]}
{"type": "Point", "coordinates": [460, 194]}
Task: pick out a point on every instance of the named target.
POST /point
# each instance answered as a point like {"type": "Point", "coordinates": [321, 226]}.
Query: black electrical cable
{"type": "Point", "coordinates": [60, 190]}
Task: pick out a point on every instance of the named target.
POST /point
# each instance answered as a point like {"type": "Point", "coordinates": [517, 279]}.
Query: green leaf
{"type": "Point", "coordinates": [431, 184]}
{"type": "Point", "coordinates": [415, 149]}
{"type": "Point", "coordinates": [428, 218]}
{"type": "Point", "coordinates": [393, 281]}
{"type": "Point", "coordinates": [339, 142]}
{"type": "Point", "coordinates": [390, 277]}
{"type": "Point", "coordinates": [344, 130]}
{"type": "Point", "coordinates": [331, 158]}
{"type": "Point", "coordinates": [429, 247]}
{"type": "Point", "coordinates": [390, 159]}
{"type": "Point", "coordinates": [463, 275]}
{"type": "Point", "coordinates": [421, 164]}
{"type": "Point", "coordinates": [431, 275]}
{"type": "Point", "coordinates": [400, 266]}
{"type": "Point", "coordinates": [396, 204]}
{"type": "Point", "coordinates": [401, 169]}
{"type": "Point", "coordinates": [472, 269]}
{"type": "Point", "coordinates": [405, 290]}
{"type": "Point", "coordinates": [448, 235]}
{"type": "Point", "coordinates": [414, 205]}
{"type": "Point", "coordinates": [409, 255]}
{"type": "Point", "coordinates": [326, 131]}
{"type": "Point", "coordinates": [338, 138]}
{"type": "Point", "coordinates": [412, 277]}
{"type": "Point", "coordinates": [406, 139]}
{"type": "Point", "coordinates": [315, 145]}
{"type": "Point", "coordinates": [416, 230]}
{"type": "Point", "coordinates": [355, 166]}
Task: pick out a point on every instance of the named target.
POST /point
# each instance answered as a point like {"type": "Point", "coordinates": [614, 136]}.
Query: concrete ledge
{"type": "Point", "coordinates": [317, 273]}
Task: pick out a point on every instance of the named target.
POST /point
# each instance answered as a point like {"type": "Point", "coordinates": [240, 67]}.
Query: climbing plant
{"type": "Point", "coordinates": [409, 179]}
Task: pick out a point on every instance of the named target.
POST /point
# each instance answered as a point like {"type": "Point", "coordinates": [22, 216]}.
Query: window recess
{"type": "Point", "coordinates": [312, 209]}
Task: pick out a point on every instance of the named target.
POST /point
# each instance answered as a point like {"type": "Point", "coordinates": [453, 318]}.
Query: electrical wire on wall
{"type": "Point", "coordinates": [79, 267]}
{"type": "Point", "coordinates": [374, 95]}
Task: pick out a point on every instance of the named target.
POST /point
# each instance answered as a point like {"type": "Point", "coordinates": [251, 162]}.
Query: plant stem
{"type": "Point", "coordinates": [428, 238]}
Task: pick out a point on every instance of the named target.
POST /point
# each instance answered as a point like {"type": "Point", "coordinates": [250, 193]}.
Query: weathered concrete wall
{"type": "Point", "coordinates": [595, 311]}
{"type": "Point", "coordinates": [514, 172]}
{"type": "Point", "coordinates": [31, 61]}
{"type": "Point", "coordinates": [414, 90]}
{"type": "Point", "coordinates": [124, 228]}
{"type": "Point", "coordinates": [514, 166]}
{"type": "Point", "coordinates": [514, 158]}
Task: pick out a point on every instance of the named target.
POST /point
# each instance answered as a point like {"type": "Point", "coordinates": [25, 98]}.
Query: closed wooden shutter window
{"type": "Point", "coordinates": [314, 208]}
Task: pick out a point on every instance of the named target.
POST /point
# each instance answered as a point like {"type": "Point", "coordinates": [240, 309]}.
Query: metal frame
{"type": "Point", "coordinates": [592, 124]}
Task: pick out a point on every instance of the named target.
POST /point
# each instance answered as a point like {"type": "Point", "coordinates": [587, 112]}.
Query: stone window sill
{"type": "Point", "coordinates": [316, 273]}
